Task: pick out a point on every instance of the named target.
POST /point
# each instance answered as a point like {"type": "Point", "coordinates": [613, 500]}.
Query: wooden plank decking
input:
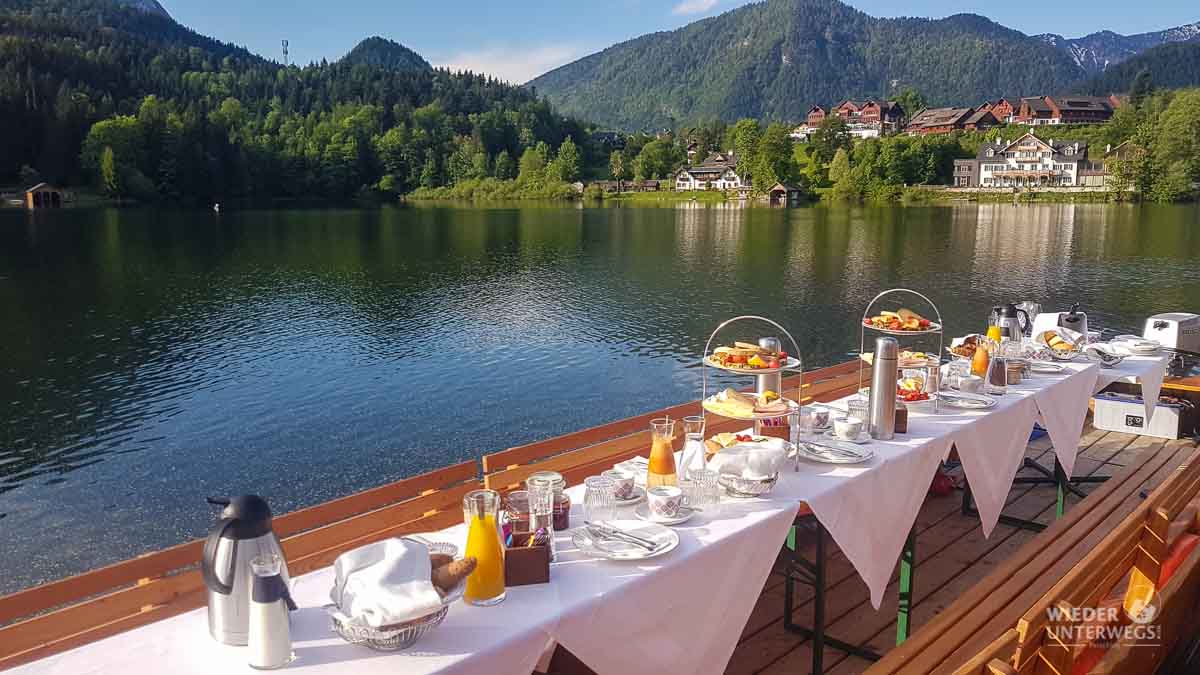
{"type": "Point", "coordinates": [952, 555]}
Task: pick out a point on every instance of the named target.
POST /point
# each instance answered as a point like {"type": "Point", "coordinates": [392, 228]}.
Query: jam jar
{"type": "Point", "coordinates": [562, 503]}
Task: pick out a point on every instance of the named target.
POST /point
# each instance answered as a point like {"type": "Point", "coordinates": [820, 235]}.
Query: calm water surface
{"type": "Point", "coordinates": [148, 359]}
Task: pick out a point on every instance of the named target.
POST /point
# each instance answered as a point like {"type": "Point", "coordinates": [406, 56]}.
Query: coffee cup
{"type": "Point", "coordinates": [664, 501]}
{"type": "Point", "coordinates": [820, 418]}
{"type": "Point", "coordinates": [847, 428]}
{"type": "Point", "coordinates": [623, 480]}
{"type": "Point", "coordinates": [970, 384]}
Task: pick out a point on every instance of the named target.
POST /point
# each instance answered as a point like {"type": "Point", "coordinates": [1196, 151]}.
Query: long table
{"type": "Point", "coordinates": [684, 611]}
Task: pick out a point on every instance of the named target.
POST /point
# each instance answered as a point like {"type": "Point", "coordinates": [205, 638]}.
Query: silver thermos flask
{"type": "Point", "coordinates": [270, 634]}
{"type": "Point", "coordinates": [883, 389]}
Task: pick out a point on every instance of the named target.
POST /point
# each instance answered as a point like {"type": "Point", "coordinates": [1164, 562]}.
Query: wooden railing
{"type": "Point", "coordinates": [64, 614]}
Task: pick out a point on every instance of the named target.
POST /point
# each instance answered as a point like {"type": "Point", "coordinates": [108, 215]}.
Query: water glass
{"type": "Point", "coordinates": [707, 491]}
{"type": "Point", "coordinates": [859, 407]}
{"type": "Point", "coordinates": [806, 421]}
{"type": "Point", "coordinates": [541, 507]}
{"type": "Point", "coordinates": [599, 498]}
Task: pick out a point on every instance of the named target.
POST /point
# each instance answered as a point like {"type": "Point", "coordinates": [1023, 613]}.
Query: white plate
{"type": "Point", "coordinates": [1046, 368]}
{"type": "Point", "coordinates": [639, 495]}
{"type": "Point", "coordinates": [643, 512]}
{"type": "Point", "coordinates": [664, 537]}
{"type": "Point", "coordinates": [864, 437]}
{"type": "Point", "coordinates": [934, 327]}
{"type": "Point", "coordinates": [826, 456]}
{"type": "Point", "coordinates": [967, 401]}
{"type": "Point", "coordinates": [791, 363]}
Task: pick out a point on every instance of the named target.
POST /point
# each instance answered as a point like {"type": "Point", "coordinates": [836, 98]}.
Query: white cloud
{"type": "Point", "coordinates": [515, 64]}
{"type": "Point", "coordinates": [694, 6]}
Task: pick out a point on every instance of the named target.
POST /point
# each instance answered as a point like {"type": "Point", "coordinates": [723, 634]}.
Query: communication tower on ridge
{"type": "Point", "coordinates": [285, 53]}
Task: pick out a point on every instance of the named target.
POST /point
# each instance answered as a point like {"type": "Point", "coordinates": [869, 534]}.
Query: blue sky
{"type": "Point", "coordinates": [518, 40]}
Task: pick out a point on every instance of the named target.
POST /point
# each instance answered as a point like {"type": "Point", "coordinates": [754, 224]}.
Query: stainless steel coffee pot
{"type": "Point", "coordinates": [243, 534]}
{"type": "Point", "coordinates": [1008, 318]}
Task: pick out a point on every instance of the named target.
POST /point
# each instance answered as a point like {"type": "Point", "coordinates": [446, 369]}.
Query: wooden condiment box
{"type": "Point", "coordinates": [525, 565]}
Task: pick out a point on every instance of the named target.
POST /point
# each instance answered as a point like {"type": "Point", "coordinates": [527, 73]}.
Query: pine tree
{"type": "Point", "coordinates": [839, 168]}
{"type": "Point", "coordinates": [504, 168]}
{"type": "Point", "coordinates": [110, 173]}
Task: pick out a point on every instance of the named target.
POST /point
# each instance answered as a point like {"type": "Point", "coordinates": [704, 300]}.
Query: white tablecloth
{"type": "Point", "coordinates": [1149, 371]}
{"type": "Point", "coordinates": [681, 612]}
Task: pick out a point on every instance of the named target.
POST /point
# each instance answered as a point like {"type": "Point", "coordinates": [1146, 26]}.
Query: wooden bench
{"type": "Point", "coordinates": [586, 453]}
{"type": "Point", "coordinates": [966, 636]}
{"type": "Point", "coordinates": [1140, 563]}
{"type": "Point", "coordinates": [60, 615]}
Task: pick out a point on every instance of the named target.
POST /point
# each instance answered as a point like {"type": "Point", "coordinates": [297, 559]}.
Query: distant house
{"type": "Point", "coordinates": [1025, 162]}
{"type": "Point", "coordinates": [43, 196]}
{"type": "Point", "coordinates": [980, 120]}
{"type": "Point", "coordinates": [816, 115]}
{"type": "Point", "coordinates": [1098, 172]}
{"type": "Point", "coordinates": [1002, 109]}
{"type": "Point", "coordinates": [938, 121]}
{"type": "Point", "coordinates": [885, 115]}
{"type": "Point", "coordinates": [717, 172]}
{"type": "Point", "coordinates": [646, 186]}
{"type": "Point", "coordinates": [1042, 110]}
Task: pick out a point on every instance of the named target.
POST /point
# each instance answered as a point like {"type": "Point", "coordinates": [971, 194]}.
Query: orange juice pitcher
{"type": "Point", "coordinates": [662, 454]}
{"type": "Point", "coordinates": [485, 586]}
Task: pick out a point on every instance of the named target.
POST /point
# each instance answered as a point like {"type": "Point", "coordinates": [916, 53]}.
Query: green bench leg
{"type": "Point", "coordinates": [907, 568]}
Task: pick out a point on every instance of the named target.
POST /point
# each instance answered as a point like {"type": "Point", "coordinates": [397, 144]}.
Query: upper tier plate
{"type": "Point", "coordinates": [790, 364]}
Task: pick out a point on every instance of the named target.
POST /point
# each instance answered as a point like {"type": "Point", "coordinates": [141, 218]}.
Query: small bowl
{"type": "Point", "coordinates": [927, 406]}
{"type": "Point", "coordinates": [971, 384]}
{"type": "Point", "coordinates": [736, 486]}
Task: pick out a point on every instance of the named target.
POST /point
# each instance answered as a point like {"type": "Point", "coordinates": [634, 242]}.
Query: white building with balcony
{"type": "Point", "coordinates": [1025, 162]}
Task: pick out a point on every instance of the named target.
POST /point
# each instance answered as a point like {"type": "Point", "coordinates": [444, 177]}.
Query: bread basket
{"type": "Point", "coordinates": [401, 635]}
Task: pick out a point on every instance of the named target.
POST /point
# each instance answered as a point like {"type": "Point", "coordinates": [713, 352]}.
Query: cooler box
{"type": "Point", "coordinates": [1127, 414]}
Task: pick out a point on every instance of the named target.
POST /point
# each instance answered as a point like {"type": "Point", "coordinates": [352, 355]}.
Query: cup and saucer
{"type": "Point", "coordinates": [664, 506]}
{"type": "Point", "coordinates": [848, 430]}
{"type": "Point", "coordinates": [626, 493]}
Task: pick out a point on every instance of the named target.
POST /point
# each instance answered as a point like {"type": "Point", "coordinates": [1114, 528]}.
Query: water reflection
{"type": "Point", "coordinates": [150, 358]}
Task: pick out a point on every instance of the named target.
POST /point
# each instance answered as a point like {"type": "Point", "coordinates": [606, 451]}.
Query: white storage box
{"type": "Point", "coordinates": [1127, 414]}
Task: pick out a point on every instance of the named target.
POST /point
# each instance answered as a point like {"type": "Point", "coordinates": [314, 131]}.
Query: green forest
{"type": "Point", "coordinates": [143, 108]}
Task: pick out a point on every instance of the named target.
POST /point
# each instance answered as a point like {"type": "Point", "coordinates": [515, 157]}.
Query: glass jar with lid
{"type": "Point", "coordinates": [562, 503]}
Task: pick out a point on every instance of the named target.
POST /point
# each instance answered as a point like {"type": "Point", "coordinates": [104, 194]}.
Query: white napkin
{"type": "Point", "coordinates": [385, 583]}
{"type": "Point", "coordinates": [749, 461]}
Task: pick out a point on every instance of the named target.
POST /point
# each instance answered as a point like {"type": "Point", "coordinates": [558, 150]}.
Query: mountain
{"type": "Point", "coordinates": [775, 59]}
{"type": "Point", "coordinates": [1170, 66]}
{"type": "Point", "coordinates": [377, 51]}
{"type": "Point", "coordinates": [148, 6]}
{"type": "Point", "coordinates": [178, 115]}
{"type": "Point", "coordinates": [1096, 52]}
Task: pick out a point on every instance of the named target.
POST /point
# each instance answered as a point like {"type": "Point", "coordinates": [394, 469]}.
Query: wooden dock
{"type": "Point", "coordinates": [952, 555]}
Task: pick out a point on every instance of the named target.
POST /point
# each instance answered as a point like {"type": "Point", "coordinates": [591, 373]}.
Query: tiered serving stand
{"type": "Point", "coordinates": [765, 380]}
{"type": "Point", "coordinates": [935, 327]}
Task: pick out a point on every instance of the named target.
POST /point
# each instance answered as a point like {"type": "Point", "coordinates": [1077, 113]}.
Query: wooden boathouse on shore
{"type": "Point", "coordinates": [43, 196]}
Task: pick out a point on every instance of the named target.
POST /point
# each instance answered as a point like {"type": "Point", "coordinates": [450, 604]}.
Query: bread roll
{"type": "Point", "coordinates": [448, 576]}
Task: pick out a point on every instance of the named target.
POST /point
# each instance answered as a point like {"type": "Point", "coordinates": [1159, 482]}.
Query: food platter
{"type": "Point", "coordinates": [933, 328]}
{"type": "Point", "coordinates": [789, 363]}
{"type": "Point", "coordinates": [744, 406]}
{"type": "Point", "coordinates": [908, 359]}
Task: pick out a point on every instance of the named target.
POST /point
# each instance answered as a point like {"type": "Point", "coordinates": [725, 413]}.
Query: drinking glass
{"type": "Point", "coordinates": [541, 507]}
{"type": "Point", "coordinates": [599, 498]}
{"type": "Point", "coordinates": [708, 492]}
{"type": "Point", "coordinates": [996, 382]}
{"type": "Point", "coordinates": [692, 457]}
{"type": "Point", "coordinates": [806, 421]}
{"type": "Point", "coordinates": [859, 407]}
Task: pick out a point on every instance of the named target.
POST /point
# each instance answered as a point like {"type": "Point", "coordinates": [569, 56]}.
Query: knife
{"type": "Point", "coordinates": [623, 535]}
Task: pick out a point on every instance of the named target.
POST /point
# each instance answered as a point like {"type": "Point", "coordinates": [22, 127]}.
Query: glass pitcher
{"type": "Point", "coordinates": [662, 456]}
{"type": "Point", "coordinates": [692, 457]}
{"type": "Point", "coordinates": [485, 586]}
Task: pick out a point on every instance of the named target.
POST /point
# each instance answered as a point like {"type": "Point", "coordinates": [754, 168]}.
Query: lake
{"type": "Point", "coordinates": [151, 358]}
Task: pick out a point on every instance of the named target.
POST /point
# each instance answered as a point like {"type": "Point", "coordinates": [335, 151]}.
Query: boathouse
{"type": "Point", "coordinates": [43, 196]}
{"type": "Point", "coordinates": [784, 194]}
